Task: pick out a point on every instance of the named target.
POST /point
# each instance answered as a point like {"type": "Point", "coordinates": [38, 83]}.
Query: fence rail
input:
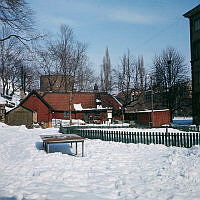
{"type": "Point", "coordinates": [168, 139]}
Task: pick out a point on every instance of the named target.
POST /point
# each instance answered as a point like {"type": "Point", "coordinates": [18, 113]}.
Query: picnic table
{"type": "Point", "coordinates": [62, 138]}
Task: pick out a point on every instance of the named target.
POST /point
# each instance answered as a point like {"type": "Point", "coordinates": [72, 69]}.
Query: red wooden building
{"type": "Point", "coordinates": [87, 106]}
{"type": "Point", "coordinates": [149, 118]}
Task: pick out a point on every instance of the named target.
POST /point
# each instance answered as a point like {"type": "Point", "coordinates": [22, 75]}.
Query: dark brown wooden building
{"type": "Point", "coordinates": [194, 17]}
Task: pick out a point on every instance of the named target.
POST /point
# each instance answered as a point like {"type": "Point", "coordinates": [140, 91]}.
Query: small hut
{"type": "Point", "coordinates": [149, 118]}
{"type": "Point", "coordinates": [21, 116]}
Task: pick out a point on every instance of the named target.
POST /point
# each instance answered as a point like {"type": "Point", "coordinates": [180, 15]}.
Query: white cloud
{"type": "Point", "coordinates": [132, 16]}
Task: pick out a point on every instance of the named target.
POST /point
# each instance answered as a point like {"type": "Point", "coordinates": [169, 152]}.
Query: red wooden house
{"type": "Point", "coordinates": [87, 106]}
{"type": "Point", "coordinates": [149, 118]}
{"type": "Point", "coordinates": [35, 102]}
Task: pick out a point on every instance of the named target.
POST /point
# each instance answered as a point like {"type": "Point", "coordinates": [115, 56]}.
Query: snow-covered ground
{"type": "Point", "coordinates": [109, 170]}
{"type": "Point", "coordinates": [15, 100]}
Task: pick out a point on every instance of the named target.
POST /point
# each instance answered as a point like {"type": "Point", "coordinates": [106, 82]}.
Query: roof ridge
{"type": "Point", "coordinates": [39, 96]}
{"type": "Point", "coordinates": [193, 11]}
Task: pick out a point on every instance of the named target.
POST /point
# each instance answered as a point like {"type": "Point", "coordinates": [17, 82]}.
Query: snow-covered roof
{"type": "Point", "coordinates": [147, 111]}
{"type": "Point", "coordinates": [98, 108]}
{"type": "Point", "coordinates": [78, 107]}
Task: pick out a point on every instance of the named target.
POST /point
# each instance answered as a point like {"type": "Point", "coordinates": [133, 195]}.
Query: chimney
{"type": "Point", "coordinates": [98, 96]}
{"type": "Point", "coordinates": [21, 94]}
{"type": "Point", "coordinates": [96, 89]}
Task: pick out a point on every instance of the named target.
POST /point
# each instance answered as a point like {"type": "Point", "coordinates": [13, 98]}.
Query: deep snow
{"type": "Point", "coordinates": [109, 170]}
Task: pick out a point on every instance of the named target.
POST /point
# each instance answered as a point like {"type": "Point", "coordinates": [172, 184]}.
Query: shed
{"type": "Point", "coordinates": [149, 117]}
{"type": "Point", "coordinates": [21, 116]}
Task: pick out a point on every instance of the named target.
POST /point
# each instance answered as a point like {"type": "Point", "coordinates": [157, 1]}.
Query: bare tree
{"type": "Point", "coordinates": [170, 77]}
{"type": "Point", "coordinates": [65, 63]}
{"type": "Point", "coordinates": [85, 78]}
{"type": "Point", "coordinates": [71, 57]}
{"type": "Point", "coordinates": [126, 80]}
{"type": "Point", "coordinates": [106, 73]}
{"type": "Point", "coordinates": [13, 56]}
{"type": "Point", "coordinates": [48, 67]}
{"type": "Point", "coordinates": [9, 59]}
{"type": "Point", "coordinates": [18, 16]}
{"type": "Point", "coordinates": [140, 74]}
{"type": "Point", "coordinates": [62, 51]}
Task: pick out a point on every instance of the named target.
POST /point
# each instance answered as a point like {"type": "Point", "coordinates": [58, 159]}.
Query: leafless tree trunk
{"type": "Point", "coordinates": [126, 80]}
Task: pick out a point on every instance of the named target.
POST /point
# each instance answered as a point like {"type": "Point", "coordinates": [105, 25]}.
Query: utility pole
{"type": "Point", "coordinates": [70, 108]}
{"type": "Point", "coordinates": [169, 99]}
{"type": "Point", "coordinates": [152, 117]}
{"type": "Point", "coordinates": [71, 99]}
{"type": "Point", "coordinates": [152, 99]}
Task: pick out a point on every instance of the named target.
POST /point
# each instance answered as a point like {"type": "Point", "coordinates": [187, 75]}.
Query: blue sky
{"type": "Point", "coordinates": [143, 26]}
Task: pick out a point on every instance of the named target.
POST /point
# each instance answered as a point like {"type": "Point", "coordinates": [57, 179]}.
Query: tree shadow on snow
{"type": "Point", "coordinates": [63, 148]}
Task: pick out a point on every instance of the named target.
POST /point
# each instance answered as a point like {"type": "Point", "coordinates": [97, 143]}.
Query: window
{"type": "Point", "coordinates": [97, 115]}
{"type": "Point", "coordinates": [198, 78]}
{"type": "Point", "coordinates": [196, 51]}
{"type": "Point", "coordinates": [197, 25]}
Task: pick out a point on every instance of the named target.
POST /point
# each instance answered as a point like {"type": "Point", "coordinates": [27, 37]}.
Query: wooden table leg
{"type": "Point", "coordinates": [45, 146]}
{"type": "Point", "coordinates": [82, 148]}
{"type": "Point", "coordinates": [48, 148]}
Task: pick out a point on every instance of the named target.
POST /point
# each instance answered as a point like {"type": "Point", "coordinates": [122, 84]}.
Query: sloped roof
{"type": "Point", "coordinates": [192, 12]}
{"type": "Point", "coordinates": [61, 101]}
{"type": "Point", "coordinates": [40, 97]}
{"type": "Point", "coordinates": [19, 107]}
{"type": "Point", "coordinates": [87, 100]}
{"type": "Point", "coordinates": [108, 100]}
